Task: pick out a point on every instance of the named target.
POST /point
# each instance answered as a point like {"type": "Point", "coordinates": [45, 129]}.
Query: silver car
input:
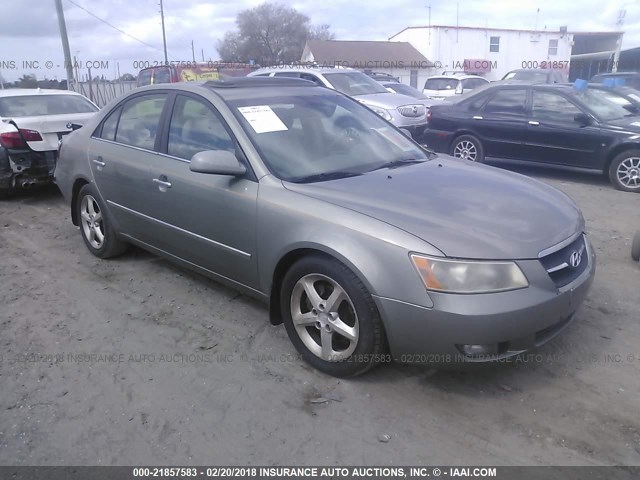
{"type": "Point", "coordinates": [367, 246]}
{"type": "Point", "coordinates": [402, 110]}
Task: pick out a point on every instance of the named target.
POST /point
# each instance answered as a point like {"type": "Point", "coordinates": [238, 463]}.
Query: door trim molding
{"type": "Point", "coordinates": [181, 230]}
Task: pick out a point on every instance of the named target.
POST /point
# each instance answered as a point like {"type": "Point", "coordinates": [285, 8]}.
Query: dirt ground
{"type": "Point", "coordinates": [135, 361]}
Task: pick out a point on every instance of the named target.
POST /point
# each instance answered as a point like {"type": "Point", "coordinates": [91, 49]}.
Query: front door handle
{"type": "Point", "coordinates": [99, 163]}
{"type": "Point", "coordinates": [534, 123]}
{"type": "Point", "coordinates": [162, 183]}
{"type": "Point", "coordinates": [477, 117]}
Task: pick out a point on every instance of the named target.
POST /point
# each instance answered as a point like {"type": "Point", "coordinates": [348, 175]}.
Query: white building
{"type": "Point", "coordinates": [492, 52]}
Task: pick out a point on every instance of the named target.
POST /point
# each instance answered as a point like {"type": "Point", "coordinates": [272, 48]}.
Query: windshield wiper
{"type": "Point", "coordinates": [319, 177]}
{"type": "Point", "coordinates": [401, 162]}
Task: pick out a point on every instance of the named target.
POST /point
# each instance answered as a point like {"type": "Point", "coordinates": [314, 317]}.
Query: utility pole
{"type": "Point", "coordinates": [164, 36]}
{"type": "Point", "coordinates": [202, 54]}
{"type": "Point", "coordinates": [65, 43]}
{"type": "Point", "coordinates": [616, 55]}
{"type": "Point", "coordinates": [193, 52]}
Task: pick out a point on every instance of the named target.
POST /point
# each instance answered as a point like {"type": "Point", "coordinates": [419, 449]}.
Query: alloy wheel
{"type": "Point", "coordinates": [324, 317]}
{"type": "Point", "coordinates": [466, 150]}
{"type": "Point", "coordinates": [92, 223]}
{"type": "Point", "coordinates": [628, 172]}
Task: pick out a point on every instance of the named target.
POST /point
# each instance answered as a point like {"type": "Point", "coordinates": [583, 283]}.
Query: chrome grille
{"type": "Point", "coordinates": [412, 110]}
{"type": "Point", "coordinates": [568, 263]}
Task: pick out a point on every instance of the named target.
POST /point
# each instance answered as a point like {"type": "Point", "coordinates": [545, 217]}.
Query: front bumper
{"type": "Point", "coordinates": [509, 322]}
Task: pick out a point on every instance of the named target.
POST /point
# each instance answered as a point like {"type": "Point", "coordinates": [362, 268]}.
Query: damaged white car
{"type": "Point", "coordinates": [32, 122]}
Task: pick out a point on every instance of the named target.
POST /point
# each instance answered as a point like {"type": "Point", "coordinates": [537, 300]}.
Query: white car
{"type": "Point", "coordinates": [32, 122]}
{"type": "Point", "coordinates": [442, 86]}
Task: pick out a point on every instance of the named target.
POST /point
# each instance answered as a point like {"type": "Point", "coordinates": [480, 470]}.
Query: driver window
{"type": "Point", "coordinates": [194, 128]}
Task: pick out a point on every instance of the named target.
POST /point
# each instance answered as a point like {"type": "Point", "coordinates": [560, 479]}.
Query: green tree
{"type": "Point", "coordinates": [270, 34]}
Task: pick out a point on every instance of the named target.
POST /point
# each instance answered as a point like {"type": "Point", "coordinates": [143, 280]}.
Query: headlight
{"type": "Point", "coordinates": [382, 112]}
{"type": "Point", "coordinates": [467, 276]}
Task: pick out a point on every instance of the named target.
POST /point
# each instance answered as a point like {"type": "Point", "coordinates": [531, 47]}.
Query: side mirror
{"type": "Point", "coordinates": [217, 162]}
{"type": "Point", "coordinates": [582, 119]}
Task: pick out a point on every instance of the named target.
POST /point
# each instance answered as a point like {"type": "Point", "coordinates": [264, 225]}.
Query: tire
{"type": "Point", "coordinates": [624, 171]}
{"type": "Point", "coordinates": [635, 247]}
{"type": "Point", "coordinates": [96, 229]}
{"type": "Point", "coordinates": [354, 313]}
{"type": "Point", "coordinates": [468, 147]}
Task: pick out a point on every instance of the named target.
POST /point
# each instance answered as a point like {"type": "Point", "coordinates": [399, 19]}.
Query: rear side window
{"type": "Point", "coordinates": [507, 101]}
{"type": "Point", "coordinates": [194, 128]}
{"type": "Point", "coordinates": [441, 84]}
{"type": "Point", "coordinates": [139, 121]}
{"type": "Point", "coordinates": [110, 124]}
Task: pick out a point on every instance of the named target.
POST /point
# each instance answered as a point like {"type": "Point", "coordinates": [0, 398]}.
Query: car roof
{"type": "Point", "coordinates": [18, 92]}
{"type": "Point", "coordinates": [456, 77]}
{"type": "Point", "coordinates": [302, 69]}
{"type": "Point", "coordinates": [617, 74]}
{"type": "Point", "coordinates": [236, 88]}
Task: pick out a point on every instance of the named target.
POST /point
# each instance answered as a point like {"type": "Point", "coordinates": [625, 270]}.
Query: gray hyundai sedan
{"type": "Point", "coordinates": [366, 245]}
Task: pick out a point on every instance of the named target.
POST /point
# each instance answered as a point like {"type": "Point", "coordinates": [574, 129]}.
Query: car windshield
{"type": "Point", "coordinates": [527, 76]}
{"type": "Point", "coordinates": [354, 83]}
{"type": "Point", "coordinates": [405, 90]}
{"type": "Point", "coordinates": [321, 136]}
{"type": "Point", "coordinates": [600, 103]}
{"type": "Point", "coordinates": [37, 105]}
{"type": "Point", "coordinates": [441, 84]}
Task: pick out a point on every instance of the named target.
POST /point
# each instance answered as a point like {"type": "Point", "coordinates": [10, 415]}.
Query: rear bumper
{"type": "Point", "coordinates": [25, 168]}
{"type": "Point", "coordinates": [437, 140]}
{"type": "Point", "coordinates": [506, 323]}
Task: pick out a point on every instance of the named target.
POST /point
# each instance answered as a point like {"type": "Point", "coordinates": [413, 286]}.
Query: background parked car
{"type": "Point", "coordinates": [358, 238]}
{"type": "Point", "coordinates": [399, 109]}
{"type": "Point", "coordinates": [536, 75]}
{"type": "Point", "coordinates": [442, 86]}
{"type": "Point", "coordinates": [32, 121]}
{"type": "Point", "coordinates": [408, 90]}
{"type": "Point", "coordinates": [382, 77]}
{"type": "Point", "coordinates": [626, 96]}
{"type": "Point", "coordinates": [189, 72]}
{"type": "Point", "coordinates": [550, 124]}
{"type": "Point", "coordinates": [629, 79]}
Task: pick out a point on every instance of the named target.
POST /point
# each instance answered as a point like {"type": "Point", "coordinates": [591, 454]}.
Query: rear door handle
{"type": "Point", "coordinates": [534, 123]}
{"type": "Point", "coordinates": [477, 117]}
{"type": "Point", "coordinates": [162, 184]}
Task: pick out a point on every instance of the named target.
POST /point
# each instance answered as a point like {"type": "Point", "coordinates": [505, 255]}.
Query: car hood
{"type": "Point", "coordinates": [629, 125]}
{"type": "Point", "coordinates": [387, 100]}
{"type": "Point", "coordinates": [465, 210]}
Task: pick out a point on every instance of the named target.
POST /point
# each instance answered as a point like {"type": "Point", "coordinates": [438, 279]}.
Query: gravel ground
{"type": "Point", "coordinates": [186, 371]}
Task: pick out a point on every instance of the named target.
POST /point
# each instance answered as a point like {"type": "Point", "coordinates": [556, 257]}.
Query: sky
{"type": "Point", "coordinates": [29, 28]}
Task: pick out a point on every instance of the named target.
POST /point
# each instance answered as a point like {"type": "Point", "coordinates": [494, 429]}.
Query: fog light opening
{"type": "Point", "coordinates": [476, 351]}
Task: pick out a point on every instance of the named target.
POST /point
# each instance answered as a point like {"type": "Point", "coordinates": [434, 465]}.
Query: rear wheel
{"type": "Point", "coordinates": [635, 247]}
{"type": "Point", "coordinates": [468, 147]}
{"type": "Point", "coordinates": [624, 171]}
{"type": "Point", "coordinates": [95, 226]}
{"type": "Point", "coordinates": [331, 318]}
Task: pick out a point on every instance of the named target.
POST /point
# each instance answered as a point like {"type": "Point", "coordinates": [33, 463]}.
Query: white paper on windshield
{"type": "Point", "coordinates": [635, 124]}
{"type": "Point", "coordinates": [635, 97]}
{"type": "Point", "coordinates": [262, 119]}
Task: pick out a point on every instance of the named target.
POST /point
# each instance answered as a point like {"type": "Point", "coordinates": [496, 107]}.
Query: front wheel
{"type": "Point", "coordinates": [468, 147]}
{"type": "Point", "coordinates": [97, 232]}
{"type": "Point", "coordinates": [624, 171]}
{"type": "Point", "coordinates": [331, 318]}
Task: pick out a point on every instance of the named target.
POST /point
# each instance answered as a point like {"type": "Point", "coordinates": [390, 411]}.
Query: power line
{"type": "Point", "coordinates": [113, 26]}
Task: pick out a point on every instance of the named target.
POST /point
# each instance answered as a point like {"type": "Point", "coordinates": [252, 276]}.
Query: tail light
{"type": "Point", "coordinates": [15, 140]}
